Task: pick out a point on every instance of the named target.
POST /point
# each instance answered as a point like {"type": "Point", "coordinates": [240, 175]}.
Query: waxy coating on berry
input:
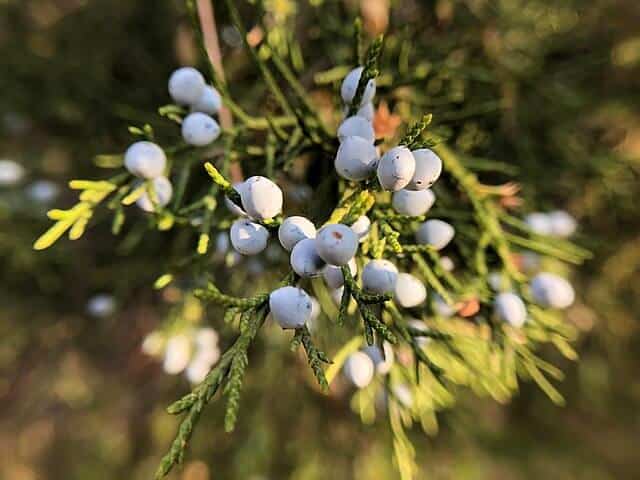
{"type": "Point", "coordinates": [428, 169]}
{"type": "Point", "coordinates": [294, 229]}
{"type": "Point", "coordinates": [199, 129]}
{"type": "Point", "coordinates": [409, 291]}
{"type": "Point", "coordinates": [305, 260]}
{"type": "Point", "coordinates": [359, 369]}
{"type": "Point", "coordinates": [261, 198]}
{"type": "Point", "coordinates": [186, 85]}
{"type": "Point", "coordinates": [145, 160]}
{"type": "Point", "coordinates": [336, 244]}
{"type": "Point", "coordinates": [291, 307]}
{"type": "Point", "coordinates": [209, 102]}
{"type": "Point", "coordinates": [510, 308]}
{"type": "Point", "coordinates": [333, 275]}
{"type": "Point", "coordinates": [436, 233]}
{"type": "Point", "coordinates": [362, 227]}
{"type": "Point", "coordinates": [379, 276]}
{"type": "Point", "coordinates": [356, 126]}
{"type": "Point", "coordinates": [356, 159]}
{"type": "Point", "coordinates": [396, 168]}
{"type": "Point", "coordinates": [163, 191]}
{"type": "Point", "coordinates": [350, 85]}
{"type": "Point", "coordinates": [247, 237]}
{"type": "Point", "coordinates": [413, 203]}
{"type": "Point", "coordinates": [550, 290]}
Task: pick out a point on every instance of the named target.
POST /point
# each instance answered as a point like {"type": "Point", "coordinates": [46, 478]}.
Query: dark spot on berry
{"type": "Point", "coordinates": [337, 235]}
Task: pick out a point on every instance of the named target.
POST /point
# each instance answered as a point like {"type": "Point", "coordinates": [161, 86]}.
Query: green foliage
{"type": "Point", "coordinates": [485, 103]}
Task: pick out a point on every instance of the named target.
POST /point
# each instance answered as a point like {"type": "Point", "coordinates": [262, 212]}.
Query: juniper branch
{"type": "Point", "coordinates": [315, 357]}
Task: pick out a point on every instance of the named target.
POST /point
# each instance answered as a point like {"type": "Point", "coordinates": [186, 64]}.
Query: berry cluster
{"type": "Point", "coordinates": [426, 298]}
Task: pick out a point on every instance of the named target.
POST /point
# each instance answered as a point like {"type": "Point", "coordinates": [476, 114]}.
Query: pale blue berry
{"type": "Point", "coordinates": [305, 260]}
{"type": "Point", "coordinates": [199, 129]}
{"type": "Point", "coordinates": [145, 160]}
{"type": "Point", "coordinates": [413, 203]}
{"type": "Point", "coordinates": [247, 237]}
{"type": "Point", "coordinates": [379, 276]}
{"type": "Point", "coordinates": [186, 85]}
{"type": "Point", "coordinates": [436, 233]}
{"type": "Point", "coordinates": [396, 168]}
{"type": "Point", "coordinates": [291, 307]}
{"type": "Point", "coordinates": [294, 229]}
{"type": "Point", "coordinates": [336, 244]}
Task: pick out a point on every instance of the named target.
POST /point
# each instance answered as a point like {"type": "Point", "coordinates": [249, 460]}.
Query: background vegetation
{"type": "Point", "coordinates": [550, 87]}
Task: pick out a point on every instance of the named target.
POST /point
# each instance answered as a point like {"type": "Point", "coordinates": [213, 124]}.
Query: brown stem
{"type": "Point", "coordinates": [212, 45]}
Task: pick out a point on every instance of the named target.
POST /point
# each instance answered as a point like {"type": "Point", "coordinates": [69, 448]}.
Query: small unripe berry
{"type": "Point", "coordinates": [396, 168]}
{"type": "Point", "coordinates": [186, 85]}
{"type": "Point", "coordinates": [359, 369]}
{"type": "Point", "coordinates": [552, 291]}
{"type": "Point", "coordinates": [350, 85]}
{"type": "Point", "coordinates": [305, 260]}
{"type": "Point", "coordinates": [413, 203]}
{"type": "Point", "coordinates": [209, 102]}
{"type": "Point", "coordinates": [379, 276]}
{"type": "Point", "coordinates": [294, 229]}
{"type": "Point", "coordinates": [428, 169]}
{"type": "Point", "coordinates": [163, 190]}
{"type": "Point", "coordinates": [381, 361]}
{"type": "Point", "coordinates": [248, 238]}
{"type": "Point", "coordinates": [356, 159]}
{"type": "Point", "coordinates": [290, 307]}
{"type": "Point", "coordinates": [261, 198]}
{"type": "Point", "coordinates": [510, 308]}
{"type": "Point", "coordinates": [356, 126]}
{"type": "Point", "coordinates": [409, 291]}
{"type": "Point", "coordinates": [436, 233]}
{"type": "Point", "coordinates": [199, 129]}
{"type": "Point", "coordinates": [362, 227]}
{"type": "Point", "coordinates": [539, 223]}
{"type": "Point", "coordinates": [563, 225]}
{"type": "Point", "coordinates": [333, 275]}
{"type": "Point", "coordinates": [145, 160]}
{"type": "Point", "coordinates": [336, 244]}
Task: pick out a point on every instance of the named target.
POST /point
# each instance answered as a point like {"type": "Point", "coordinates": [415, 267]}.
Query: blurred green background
{"type": "Point", "coordinates": [551, 87]}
